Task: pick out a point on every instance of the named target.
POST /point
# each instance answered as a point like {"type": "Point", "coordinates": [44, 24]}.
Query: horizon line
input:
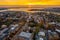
{"type": "Point", "coordinates": [27, 6]}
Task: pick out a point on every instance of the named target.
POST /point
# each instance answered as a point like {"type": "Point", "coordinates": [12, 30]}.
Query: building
{"type": "Point", "coordinates": [25, 36]}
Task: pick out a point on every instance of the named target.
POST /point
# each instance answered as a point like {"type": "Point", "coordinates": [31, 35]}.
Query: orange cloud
{"type": "Point", "coordinates": [30, 2]}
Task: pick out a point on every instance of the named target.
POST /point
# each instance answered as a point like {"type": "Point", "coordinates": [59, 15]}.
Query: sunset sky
{"type": "Point", "coordinates": [29, 2]}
